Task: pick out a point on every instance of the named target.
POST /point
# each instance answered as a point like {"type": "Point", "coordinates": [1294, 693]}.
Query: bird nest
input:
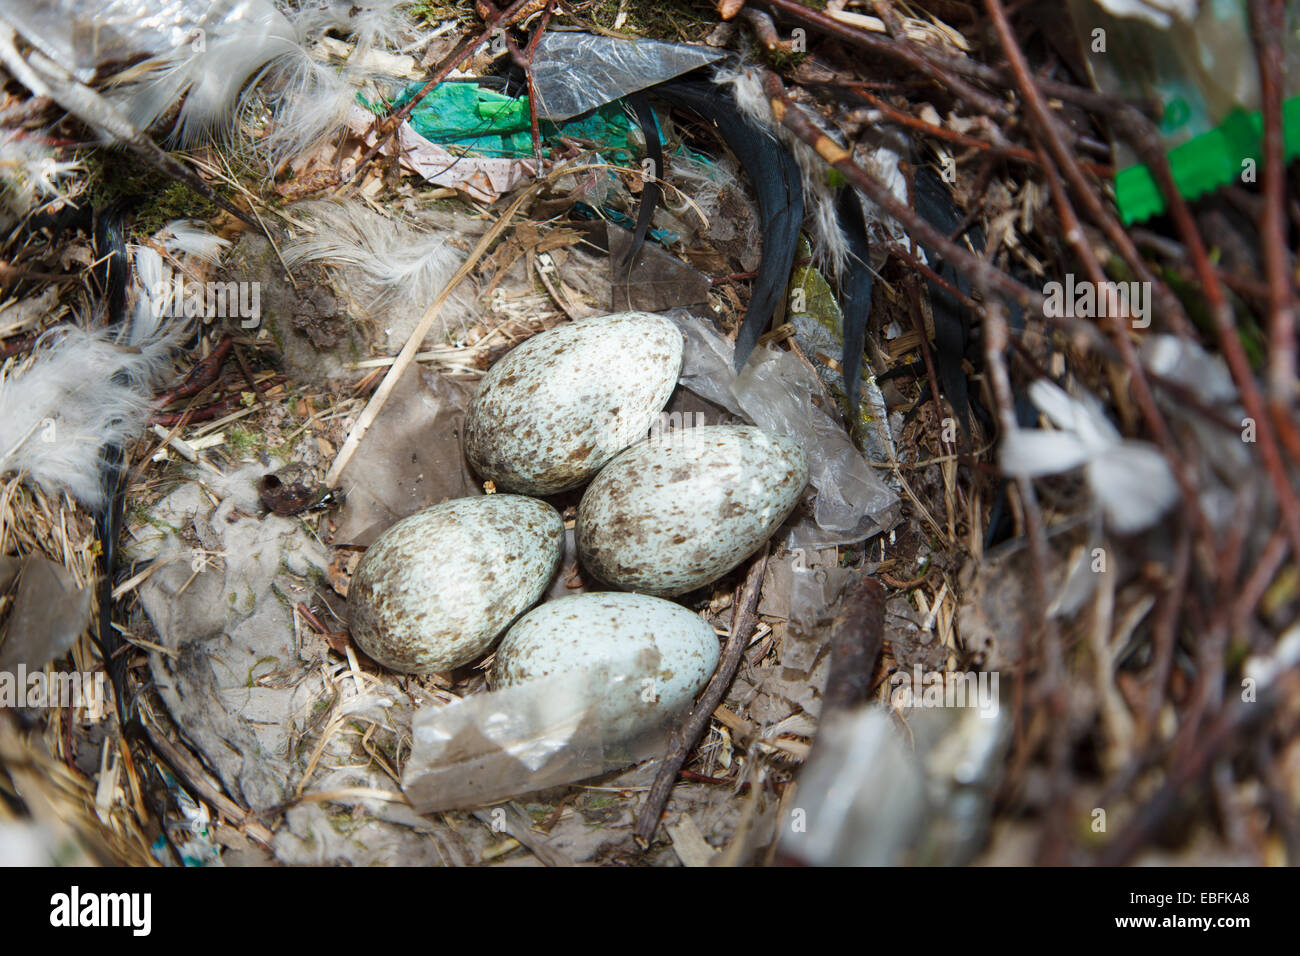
{"type": "Point", "coordinates": [1088, 426]}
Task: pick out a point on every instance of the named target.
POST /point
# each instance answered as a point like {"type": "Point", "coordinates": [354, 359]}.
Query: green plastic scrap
{"type": "Point", "coordinates": [485, 122]}
{"type": "Point", "coordinates": [1207, 162]}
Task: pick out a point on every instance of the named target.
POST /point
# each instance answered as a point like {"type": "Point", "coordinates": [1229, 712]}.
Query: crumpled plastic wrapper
{"type": "Point", "coordinates": [775, 391]}
{"type": "Point", "coordinates": [874, 796]}
{"type": "Point", "coordinates": [82, 34]}
{"type": "Point", "coordinates": [576, 72]}
{"type": "Point", "coordinates": [482, 178]}
{"type": "Point", "coordinates": [546, 733]}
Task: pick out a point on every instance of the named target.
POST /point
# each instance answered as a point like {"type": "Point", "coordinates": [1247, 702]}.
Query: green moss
{"type": "Point", "coordinates": [241, 441]}
{"type": "Point", "coordinates": [139, 513]}
{"type": "Point", "coordinates": [118, 176]}
{"type": "Point", "coordinates": [539, 813]}
{"type": "Point", "coordinates": [679, 20]}
{"type": "Point", "coordinates": [436, 12]}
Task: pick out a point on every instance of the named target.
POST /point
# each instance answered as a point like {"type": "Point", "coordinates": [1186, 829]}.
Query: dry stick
{"type": "Point", "coordinates": [1053, 136]}
{"type": "Point", "coordinates": [1140, 134]}
{"type": "Point", "coordinates": [412, 346]}
{"type": "Point", "coordinates": [187, 767]}
{"type": "Point", "coordinates": [524, 60]}
{"type": "Point", "coordinates": [934, 63]}
{"type": "Point", "coordinates": [962, 139]}
{"type": "Point", "coordinates": [904, 52]}
{"type": "Point", "coordinates": [1269, 20]}
{"type": "Point", "coordinates": [857, 635]}
{"type": "Point", "coordinates": [466, 47]}
{"type": "Point", "coordinates": [1225, 731]}
{"type": "Point", "coordinates": [744, 617]}
{"type": "Point", "coordinates": [47, 78]}
{"type": "Point", "coordinates": [762, 25]}
{"type": "Point", "coordinates": [979, 271]}
{"type": "Point", "coordinates": [1266, 566]}
{"type": "Point", "coordinates": [1165, 634]}
{"type": "Point", "coordinates": [1142, 391]}
{"type": "Point", "coordinates": [1052, 847]}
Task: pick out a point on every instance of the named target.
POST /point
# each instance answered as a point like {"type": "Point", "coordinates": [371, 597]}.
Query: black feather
{"type": "Point", "coordinates": [650, 188]}
{"type": "Point", "coordinates": [111, 250]}
{"type": "Point", "coordinates": [778, 188]}
{"type": "Point", "coordinates": [934, 204]}
{"type": "Point", "coordinates": [855, 291]}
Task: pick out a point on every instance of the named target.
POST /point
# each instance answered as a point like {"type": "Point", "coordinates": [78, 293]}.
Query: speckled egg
{"type": "Point", "coordinates": [685, 507]}
{"type": "Point", "coordinates": [437, 588]}
{"type": "Point", "coordinates": [651, 657]}
{"type": "Point", "coordinates": [553, 411]}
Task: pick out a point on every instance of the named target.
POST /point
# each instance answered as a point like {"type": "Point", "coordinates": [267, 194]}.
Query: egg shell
{"type": "Point", "coordinates": [437, 588]}
{"type": "Point", "coordinates": [683, 508]}
{"type": "Point", "coordinates": [649, 657]}
{"type": "Point", "coordinates": [554, 410]}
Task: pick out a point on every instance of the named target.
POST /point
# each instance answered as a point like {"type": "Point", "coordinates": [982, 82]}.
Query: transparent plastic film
{"type": "Point", "coordinates": [81, 35]}
{"type": "Point", "coordinates": [577, 72]}
{"type": "Point", "coordinates": [546, 733]}
{"type": "Point", "coordinates": [775, 391]}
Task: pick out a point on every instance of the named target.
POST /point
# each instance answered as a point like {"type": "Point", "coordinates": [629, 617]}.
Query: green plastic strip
{"type": "Point", "coordinates": [1205, 163]}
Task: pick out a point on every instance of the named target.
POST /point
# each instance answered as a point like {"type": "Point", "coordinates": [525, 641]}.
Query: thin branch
{"type": "Point", "coordinates": [744, 618]}
{"type": "Point", "coordinates": [979, 271]}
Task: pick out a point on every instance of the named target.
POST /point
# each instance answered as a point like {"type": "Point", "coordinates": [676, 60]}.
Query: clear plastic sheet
{"type": "Point", "coordinates": [493, 746]}
{"type": "Point", "coordinates": [80, 35]}
{"type": "Point", "coordinates": [775, 391]}
{"type": "Point", "coordinates": [875, 796]}
{"type": "Point", "coordinates": [576, 72]}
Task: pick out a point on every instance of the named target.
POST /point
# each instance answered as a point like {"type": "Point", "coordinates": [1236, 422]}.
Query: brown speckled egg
{"type": "Point", "coordinates": [685, 507]}
{"type": "Point", "coordinates": [647, 657]}
{"type": "Point", "coordinates": [437, 588]}
{"type": "Point", "coordinates": [553, 411]}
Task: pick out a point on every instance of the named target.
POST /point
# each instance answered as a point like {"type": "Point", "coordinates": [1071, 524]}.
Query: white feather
{"type": "Point", "coordinates": [1133, 484]}
{"type": "Point", "coordinates": [386, 261]}
{"type": "Point", "coordinates": [81, 390]}
{"type": "Point", "coordinates": [304, 101]}
{"type": "Point", "coordinates": [1188, 364]}
{"type": "Point", "coordinates": [1130, 480]}
{"type": "Point", "coordinates": [1082, 416]}
{"type": "Point", "coordinates": [208, 73]}
{"type": "Point", "coordinates": [372, 23]}
{"type": "Point", "coordinates": [29, 172]}
{"type": "Point", "coordinates": [1032, 453]}
{"type": "Point", "coordinates": [194, 238]}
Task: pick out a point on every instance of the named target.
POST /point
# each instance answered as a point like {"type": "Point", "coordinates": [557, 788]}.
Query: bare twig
{"type": "Point", "coordinates": [413, 342]}
{"type": "Point", "coordinates": [744, 617]}
{"type": "Point", "coordinates": [979, 271]}
{"type": "Point", "coordinates": [1269, 20]}
{"type": "Point", "coordinates": [465, 48]}
{"type": "Point", "coordinates": [1054, 138]}
{"type": "Point", "coordinates": [1052, 848]}
{"type": "Point", "coordinates": [857, 633]}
